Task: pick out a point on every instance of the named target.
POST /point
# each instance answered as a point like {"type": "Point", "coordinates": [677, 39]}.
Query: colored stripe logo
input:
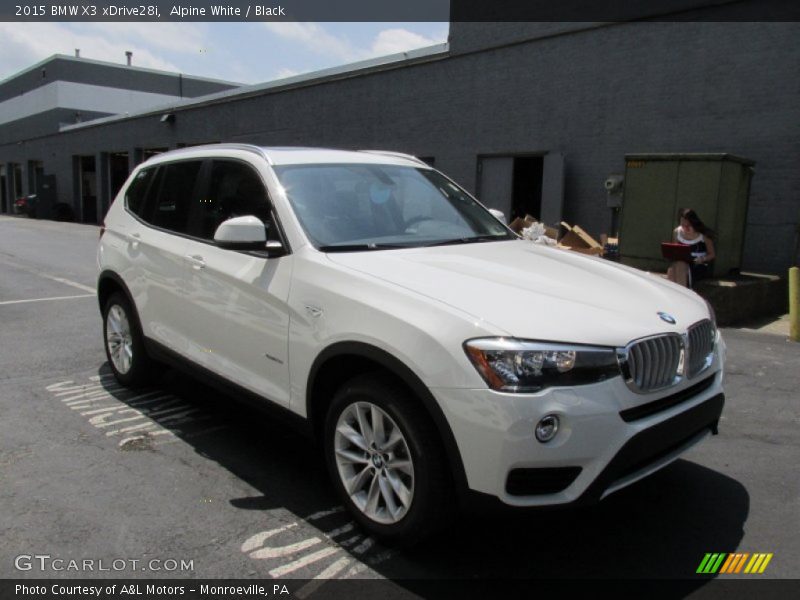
{"type": "Point", "coordinates": [734, 563]}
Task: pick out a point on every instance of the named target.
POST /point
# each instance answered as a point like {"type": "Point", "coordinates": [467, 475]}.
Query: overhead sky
{"type": "Point", "coordinates": [243, 52]}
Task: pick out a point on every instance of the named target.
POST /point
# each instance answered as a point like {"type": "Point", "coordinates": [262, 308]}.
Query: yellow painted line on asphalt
{"type": "Point", "coordinates": [3, 303]}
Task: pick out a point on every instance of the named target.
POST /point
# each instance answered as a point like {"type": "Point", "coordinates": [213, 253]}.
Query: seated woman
{"type": "Point", "coordinates": [692, 232]}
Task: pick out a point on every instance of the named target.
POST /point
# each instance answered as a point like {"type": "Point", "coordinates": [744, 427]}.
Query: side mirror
{"type": "Point", "coordinates": [241, 233]}
{"type": "Point", "coordinates": [275, 249]}
{"type": "Point", "coordinates": [498, 214]}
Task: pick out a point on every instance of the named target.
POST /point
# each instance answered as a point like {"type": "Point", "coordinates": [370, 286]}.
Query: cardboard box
{"type": "Point", "coordinates": [582, 250]}
{"type": "Point", "coordinates": [577, 240]}
{"type": "Point", "coordinates": [518, 224]}
{"type": "Point", "coordinates": [551, 232]}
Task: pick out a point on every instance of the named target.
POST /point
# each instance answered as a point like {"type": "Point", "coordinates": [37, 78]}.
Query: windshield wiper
{"type": "Point", "coordinates": [360, 247]}
{"type": "Point", "coordinates": [468, 240]}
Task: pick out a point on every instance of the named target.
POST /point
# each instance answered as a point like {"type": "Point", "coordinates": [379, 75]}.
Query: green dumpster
{"type": "Point", "coordinates": [717, 186]}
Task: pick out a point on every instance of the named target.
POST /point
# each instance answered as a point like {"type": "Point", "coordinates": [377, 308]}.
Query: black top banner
{"type": "Point", "coordinates": [403, 10]}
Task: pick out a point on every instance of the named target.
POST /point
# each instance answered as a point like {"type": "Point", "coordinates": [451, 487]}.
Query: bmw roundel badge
{"type": "Point", "coordinates": [667, 318]}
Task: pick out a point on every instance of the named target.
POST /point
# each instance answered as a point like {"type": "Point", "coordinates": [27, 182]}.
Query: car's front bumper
{"type": "Point", "coordinates": [608, 437]}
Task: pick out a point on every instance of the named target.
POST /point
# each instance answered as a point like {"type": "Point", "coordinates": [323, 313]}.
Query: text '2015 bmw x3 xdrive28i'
{"type": "Point", "coordinates": [434, 354]}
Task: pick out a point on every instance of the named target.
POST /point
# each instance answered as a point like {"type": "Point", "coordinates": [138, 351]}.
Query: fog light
{"type": "Point", "coordinates": [547, 428]}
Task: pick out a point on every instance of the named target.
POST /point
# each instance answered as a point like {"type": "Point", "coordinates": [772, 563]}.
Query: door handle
{"type": "Point", "coordinates": [197, 261]}
{"type": "Point", "coordinates": [134, 239]}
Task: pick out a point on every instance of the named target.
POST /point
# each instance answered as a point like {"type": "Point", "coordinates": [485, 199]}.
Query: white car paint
{"type": "Point", "coordinates": [226, 311]}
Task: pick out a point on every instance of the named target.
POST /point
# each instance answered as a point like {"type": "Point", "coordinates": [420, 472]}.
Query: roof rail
{"type": "Point", "coordinates": [230, 146]}
{"type": "Point", "coordinates": [410, 157]}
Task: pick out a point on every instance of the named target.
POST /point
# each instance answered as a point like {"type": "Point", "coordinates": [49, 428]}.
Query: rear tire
{"type": "Point", "coordinates": [386, 461]}
{"type": "Point", "coordinates": [124, 343]}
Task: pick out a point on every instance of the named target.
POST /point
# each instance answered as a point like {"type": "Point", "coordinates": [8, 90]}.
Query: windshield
{"type": "Point", "coordinates": [348, 207]}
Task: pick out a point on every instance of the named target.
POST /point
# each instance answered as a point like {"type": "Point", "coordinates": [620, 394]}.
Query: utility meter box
{"type": "Point", "coordinates": [716, 186]}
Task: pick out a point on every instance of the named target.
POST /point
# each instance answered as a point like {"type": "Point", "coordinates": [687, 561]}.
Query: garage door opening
{"type": "Point", "coordinates": [523, 184]}
{"type": "Point", "coordinates": [526, 190]}
{"type": "Point", "coordinates": [4, 205]}
{"type": "Point", "coordinates": [87, 178]}
{"type": "Point", "coordinates": [117, 171]}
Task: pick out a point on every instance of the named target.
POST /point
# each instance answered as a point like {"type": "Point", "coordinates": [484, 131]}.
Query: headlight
{"type": "Point", "coordinates": [711, 312]}
{"type": "Point", "coordinates": [510, 365]}
{"type": "Point", "coordinates": [713, 316]}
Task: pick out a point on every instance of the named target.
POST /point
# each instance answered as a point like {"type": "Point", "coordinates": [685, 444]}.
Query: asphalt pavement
{"type": "Point", "coordinates": [205, 488]}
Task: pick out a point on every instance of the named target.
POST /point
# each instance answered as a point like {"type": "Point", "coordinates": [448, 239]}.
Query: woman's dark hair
{"type": "Point", "coordinates": [695, 221]}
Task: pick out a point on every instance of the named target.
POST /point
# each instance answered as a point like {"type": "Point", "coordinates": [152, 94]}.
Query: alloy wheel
{"type": "Point", "coordinates": [374, 462]}
{"type": "Point", "coordinates": [119, 339]}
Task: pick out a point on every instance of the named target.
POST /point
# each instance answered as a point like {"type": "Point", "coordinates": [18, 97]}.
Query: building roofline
{"type": "Point", "coordinates": [104, 63]}
{"type": "Point", "coordinates": [356, 69]}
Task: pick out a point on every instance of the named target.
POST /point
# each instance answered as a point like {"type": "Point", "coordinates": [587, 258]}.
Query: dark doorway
{"type": "Point", "coordinates": [35, 174]}
{"type": "Point", "coordinates": [117, 171]}
{"type": "Point", "coordinates": [17, 169]}
{"type": "Point", "coordinates": [3, 191]}
{"type": "Point", "coordinates": [526, 195]}
{"type": "Point", "coordinates": [88, 194]}
{"type": "Point", "coordinates": [512, 184]}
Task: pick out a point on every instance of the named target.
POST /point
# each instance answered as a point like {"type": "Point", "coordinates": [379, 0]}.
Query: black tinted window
{"type": "Point", "coordinates": [234, 190]}
{"type": "Point", "coordinates": [136, 193]}
{"type": "Point", "coordinates": [170, 209]}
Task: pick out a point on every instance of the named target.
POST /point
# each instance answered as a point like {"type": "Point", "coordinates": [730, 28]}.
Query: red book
{"type": "Point", "coordinates": [675, 252]}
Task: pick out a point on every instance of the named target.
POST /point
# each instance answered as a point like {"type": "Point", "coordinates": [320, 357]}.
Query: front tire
{"type": "Point", "coordinates": [385, 459]}
{"type": "Point", "coordinates": [124, 343]}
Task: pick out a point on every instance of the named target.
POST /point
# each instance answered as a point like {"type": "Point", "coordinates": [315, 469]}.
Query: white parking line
{"type": "Point", "coordinates": [111, 409]}
{"type": "Point", "coordinates": [303, 561]}
{"type": "Point", "coordinates": [4, 302]}
{"type": "Point", "coordinates": [318, 554]}
{"type": "Point", "coordinates": [69, 282]}
{"type": "Point", "coordinates": [74, 284]}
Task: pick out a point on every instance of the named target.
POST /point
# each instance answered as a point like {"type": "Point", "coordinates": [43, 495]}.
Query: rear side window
{"type": "Point", "coordinates": [170, 205]}
{"type": "Point", "coordinates": [136, 194]}
{"type": "Point", "coordinates": [234, 190]}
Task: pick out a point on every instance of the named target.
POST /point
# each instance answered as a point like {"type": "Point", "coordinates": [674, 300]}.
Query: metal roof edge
{"type": "Point", "coordinates": [355, 69]}
{"type": "Point", "coordinates": [103, 63]}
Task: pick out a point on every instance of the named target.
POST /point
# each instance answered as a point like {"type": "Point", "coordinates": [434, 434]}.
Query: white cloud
{"type": "Point", "coordinates": [32, 42]}
{"type": "Point", "coordinates": [284, 73]}
{"type": "Point", "coordinates": [187, 38]}
{"type": "Point", "coordinates": [393, 41]}
{"type": "Point", "coordinates": [313, 37]}
{"type": "Point", "coordinates": [202, 49]}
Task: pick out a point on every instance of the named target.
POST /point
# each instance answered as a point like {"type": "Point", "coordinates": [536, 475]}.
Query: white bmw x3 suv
{"type": "Point", "coordinates": [436, 357]}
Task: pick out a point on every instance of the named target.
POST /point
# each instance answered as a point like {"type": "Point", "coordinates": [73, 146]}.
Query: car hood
{"type": "Point", "coordinates": [536, 292]}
